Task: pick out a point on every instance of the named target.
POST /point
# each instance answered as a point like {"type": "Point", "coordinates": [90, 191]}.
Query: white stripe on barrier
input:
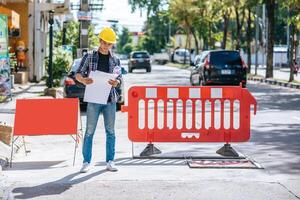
{"type": "Point", "coordinates": [173, 93]}
{"type": "Point", "coordinates": [151, 93]}
{"type": "Point", "coordinates": [194, 93]}
{"type": "Point", "coordinates": [216, 93]}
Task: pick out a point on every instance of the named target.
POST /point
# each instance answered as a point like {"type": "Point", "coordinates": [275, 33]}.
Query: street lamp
{"type": "Point", "coordinates": [50, 64]}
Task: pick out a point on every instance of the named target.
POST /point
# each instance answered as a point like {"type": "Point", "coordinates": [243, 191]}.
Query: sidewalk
{"type": "Point", "coordinates": [7, 110]}
{"type": "Point", "coordinates": [280, 77]}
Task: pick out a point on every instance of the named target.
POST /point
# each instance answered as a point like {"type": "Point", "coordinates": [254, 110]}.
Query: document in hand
{"type": "Point", "coordinates": [99, 90]}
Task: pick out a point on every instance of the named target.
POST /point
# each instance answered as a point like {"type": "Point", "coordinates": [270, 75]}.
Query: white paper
{"type": "Point", "coordinates": [99, 90]}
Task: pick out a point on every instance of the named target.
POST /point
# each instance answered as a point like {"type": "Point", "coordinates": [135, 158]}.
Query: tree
{"type": "Point", "coordinates": [293, 7]}
{"type": "Point", "coordinates": [127, 48]}
{"type": "Point", "coordinates": [152, 6]}
{"type": "Point", "coordinates": [270, 6]}
{"type": "Point", "coordinates": [72, 35]}
{"type": "Point", "coordinates": [239, 9]}
{"type": "Point", "coordinates": [158, 27]}
{"type": "Point", "coordinates": [184, 13]}
{"type": "Point", "coordinates": [148, 43]}
{"type": "Point", "coordinates": [124, 39]}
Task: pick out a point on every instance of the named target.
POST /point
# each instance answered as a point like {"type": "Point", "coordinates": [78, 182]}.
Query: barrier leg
{"type": "Point", "coordinates": [150, 150]}
{"type": "Point", "coordinates": [25, 149]}
{"type": "Point", "coordinates": [76, 141]}
{"type": "Point", "coordinates": [227, 150]}
{"type": "Point", "coordinates": [12, 151]}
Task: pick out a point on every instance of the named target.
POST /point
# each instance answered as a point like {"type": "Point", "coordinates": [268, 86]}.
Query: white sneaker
{"type": "Point", "coordinates": [85, 167]}
{"type": "Point", "coordinates": [110, 166]}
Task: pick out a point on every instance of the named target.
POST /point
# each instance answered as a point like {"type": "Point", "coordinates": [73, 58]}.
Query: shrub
{"type": "Point", "coordinates": [61, 65]}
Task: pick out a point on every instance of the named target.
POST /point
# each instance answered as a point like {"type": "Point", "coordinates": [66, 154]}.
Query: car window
{"type": "Point", "coordinates": [183, 53]}
{"type": "Point", "coordinates": [203, 56]}
{"type": "Point", "coordinates": [140, 55]}
{"type": "Point", "coordinates": [225, 58]}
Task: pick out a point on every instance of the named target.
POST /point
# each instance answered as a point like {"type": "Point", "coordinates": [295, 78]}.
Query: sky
{"type": "Point", "coordinates": [121, 11]}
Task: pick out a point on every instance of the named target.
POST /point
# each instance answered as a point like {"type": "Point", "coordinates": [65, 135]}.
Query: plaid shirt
{"type": "Point", "coordinates": [89, 63]}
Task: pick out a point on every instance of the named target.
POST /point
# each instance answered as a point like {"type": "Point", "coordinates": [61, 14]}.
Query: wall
{"type": "Point", "coordinates": [22, 10]}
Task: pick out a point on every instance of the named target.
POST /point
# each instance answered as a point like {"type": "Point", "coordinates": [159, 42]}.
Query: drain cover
{"type": "Point", "coordinates": [224, 163]}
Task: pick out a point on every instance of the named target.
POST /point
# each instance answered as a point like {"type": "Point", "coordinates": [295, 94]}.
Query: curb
{"type": "Point", "coordinates": [274, 82]}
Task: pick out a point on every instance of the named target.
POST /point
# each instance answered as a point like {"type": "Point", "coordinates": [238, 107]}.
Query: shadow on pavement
{"type": "Point", "coordinates": [34, 165]}
{"type": "Point", "coordinates": [52, 188]}
{"type": "Point", "coordinates": [275, 98]}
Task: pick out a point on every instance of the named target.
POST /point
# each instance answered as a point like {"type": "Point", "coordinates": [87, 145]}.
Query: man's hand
{"type": "Point", "coordinates": [86, 81]}
{"type": "Point", "coordinates": [113, 83]}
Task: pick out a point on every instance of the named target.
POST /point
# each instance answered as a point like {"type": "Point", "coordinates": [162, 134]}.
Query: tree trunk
{"type": "Point", "coordinates": [249, 40]}
{"type": "Point", "coordinates": [196, 39]}
{"type": "Point", "coordinates": [270, 13]}
{"type": "Point", "coordinates": [239, 25]}
{"type": "Point", "coordinates": [209, 36]}
{"type": "Point", "coordinates": [291, 52]}
{"type": "Point", "coordinates": [226, 20]}
{"type": "Point", "coordinates": [238, 28]}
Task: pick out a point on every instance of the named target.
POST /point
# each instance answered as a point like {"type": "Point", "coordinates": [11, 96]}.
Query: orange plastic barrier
{"type": "Point", "coordinates": [46, 117]}
{"type": "Point", "coordinates": [189, 114]}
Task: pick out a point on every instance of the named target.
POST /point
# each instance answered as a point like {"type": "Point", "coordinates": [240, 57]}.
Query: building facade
{"type": "Point", "coordinates": [33, 30]}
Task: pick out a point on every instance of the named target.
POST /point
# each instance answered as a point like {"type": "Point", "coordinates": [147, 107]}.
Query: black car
{"type": "Point", "coordinates": [139, 60]}
{"type": "Point", "coordinates": [75, 89]}
{"type": "Point", "coordinates": [219, 67]}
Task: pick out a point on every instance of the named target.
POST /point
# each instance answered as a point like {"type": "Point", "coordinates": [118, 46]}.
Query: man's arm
{"type": "Point", "coordinates": [83, 67]}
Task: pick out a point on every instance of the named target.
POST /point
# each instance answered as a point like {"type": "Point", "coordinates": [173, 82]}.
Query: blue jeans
{"type": "Point", "coordinates": [93, 112]}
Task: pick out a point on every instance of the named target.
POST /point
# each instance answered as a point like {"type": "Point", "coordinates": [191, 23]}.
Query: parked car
{"type": "Point", "coordinates": [181, 56]}
{"type": "Point", "coordinates": [219, 67]}
{"type": "Point", "coordinates": [139, 60]}
{"type": "Point", "coordinates": [75, 89]}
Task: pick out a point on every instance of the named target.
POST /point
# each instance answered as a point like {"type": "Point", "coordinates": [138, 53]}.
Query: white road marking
{"type": "Point", "coordinates": [297, 118]}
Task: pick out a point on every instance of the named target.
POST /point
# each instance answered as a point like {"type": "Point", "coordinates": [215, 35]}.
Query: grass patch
{"type": "Point", "coordinates": [178, 65]}
{"type": "Point", "coordinates": [254, 76]}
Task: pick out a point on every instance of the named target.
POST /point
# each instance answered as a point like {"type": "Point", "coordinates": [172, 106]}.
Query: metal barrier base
{"type": "Point", "coordinates": [150, 150]}
{"type": "Point", "coordinates": [227, 150]}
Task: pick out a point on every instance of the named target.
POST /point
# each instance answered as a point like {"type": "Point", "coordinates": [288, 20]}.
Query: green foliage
{"type": "Point", "coordinates": [127, 48]}
{"type": "Point", "coordinates": [152, 6]}
{"type": "Point", "coordinates": [61, 65]}
{"type": "Point", "coordinates": [147, 43]}
{"type": "Point", "coordinates": [72, 35]}
{"type": "Point", "coordinates": [124, 41]}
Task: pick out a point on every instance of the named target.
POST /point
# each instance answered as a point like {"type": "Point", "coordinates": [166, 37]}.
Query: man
{"type": "Point", "coordinates": [102, 60]}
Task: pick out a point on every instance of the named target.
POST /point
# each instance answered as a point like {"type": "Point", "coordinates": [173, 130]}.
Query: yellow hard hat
{"type": "Point", "coordinates": [108, 35]}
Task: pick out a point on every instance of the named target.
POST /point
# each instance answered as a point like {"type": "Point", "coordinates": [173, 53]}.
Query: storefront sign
{"type": "Point", "coordinates": [5, 81]}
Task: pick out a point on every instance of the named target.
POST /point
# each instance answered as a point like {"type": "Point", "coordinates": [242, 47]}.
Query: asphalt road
{"type": "Point", "coordinates": [47, 171]}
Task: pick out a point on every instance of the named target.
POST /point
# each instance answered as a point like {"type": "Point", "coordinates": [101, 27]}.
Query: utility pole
{"type": "Point", "coordinates": [288, 37]}
{"type": "Point", "coordinates": [84, 15]}
{"type": "Point", "coordinates": [264, 33]}
{"type": "Point", "coordinates": [256, 38]}
{"type": "Point", "coordinates": [50, 64]}
{"type": "Point", "coordinates": [84, 20]}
